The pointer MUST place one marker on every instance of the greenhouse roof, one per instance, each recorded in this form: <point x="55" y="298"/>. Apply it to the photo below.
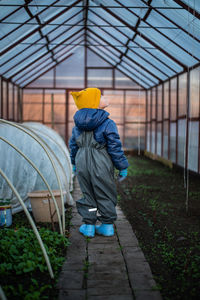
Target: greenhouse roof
<point x="148" y="40"/>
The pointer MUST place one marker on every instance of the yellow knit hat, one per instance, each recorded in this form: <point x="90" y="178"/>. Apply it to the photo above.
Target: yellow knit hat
<point x="88" y="98"/>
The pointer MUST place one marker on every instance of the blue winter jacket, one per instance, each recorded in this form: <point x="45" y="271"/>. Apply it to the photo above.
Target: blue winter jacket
<point x="105" y="132"/>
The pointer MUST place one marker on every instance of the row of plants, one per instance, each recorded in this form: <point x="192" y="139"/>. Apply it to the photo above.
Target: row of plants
<point x="153" y="199"/>
<point x="23" y="270"/>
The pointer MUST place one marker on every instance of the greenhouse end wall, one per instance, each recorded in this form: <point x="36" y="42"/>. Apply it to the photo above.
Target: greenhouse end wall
<point x="56" y="108"/>
<point x="173" y="120"/>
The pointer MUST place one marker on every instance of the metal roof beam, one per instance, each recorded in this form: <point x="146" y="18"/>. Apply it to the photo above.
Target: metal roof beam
<point x="13" y="12"/>
<point x="129" y="59"/>
<point x="35" y="30"/>
<point x="102" y="57"/>
<point x="139" y="46"/>
<point x="125" y="54"/>
<point x="15" y="74"/>
<point x="161" y="33"/>
<point x="10" y="58"/>
<point x="45" y="71"/>
<point x="173" y="22"/>
<point x="188" y="8"/>
<point x="146" y="38"/>
<point x="22" y="76"/>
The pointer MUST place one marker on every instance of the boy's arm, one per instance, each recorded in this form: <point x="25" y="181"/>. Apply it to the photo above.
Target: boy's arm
<point x="114" y="146"/>
<point x="73" y="147"/>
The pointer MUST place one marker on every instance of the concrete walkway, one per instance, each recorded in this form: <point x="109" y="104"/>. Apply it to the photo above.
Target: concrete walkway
<point x="105" y="268"/>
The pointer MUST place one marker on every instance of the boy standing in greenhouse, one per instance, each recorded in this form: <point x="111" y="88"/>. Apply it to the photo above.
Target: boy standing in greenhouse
<point x="95" y="149"/>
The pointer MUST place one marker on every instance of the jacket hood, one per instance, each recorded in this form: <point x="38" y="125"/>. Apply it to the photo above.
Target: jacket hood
<point x="88" y="119"/>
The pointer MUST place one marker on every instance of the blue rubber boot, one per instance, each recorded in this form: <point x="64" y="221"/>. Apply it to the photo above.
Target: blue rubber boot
<point x="87" y="230"/>
<point x="105" y="229"/>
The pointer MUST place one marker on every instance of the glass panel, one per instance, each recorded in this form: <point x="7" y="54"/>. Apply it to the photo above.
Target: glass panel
<point x="134" y="136"/>
<point x="153" y="103"/>
<point x="153" y="137"/>
<point x="182" y="94"/>
<point x="175" y="34"/>
<point x="173" y="142"/>
<point x="15" y="60"/>
<point x="94" y="60"/>
<point x="159" y="138"/>
<point x="166" y="100"/>
<point x="54" y="109"/>
<point x="6" y="10"/>
<point x="139" y="68"/>
<point x="100" y="22"/>
<point x="159" y="103"/>
<point x="32" y="105"/>
<point x="165" y="139"/>
<point x="40" y="69"/>
<point x="194" y="93"/>
<point x="138" y="80"/>
<point x="146" y="65"/>
<point x="121" y="81"/>
<point x="173" y="99"/>
<point x="100" y="78"/>
<point x="137" y="71"/>
<point x="16" y="35"/>
<point x="110" y="19"/>
<point x="164" y="43"/>
<point x="193" y="146"/>
<point x="106" y="37"/>
<point x="45" y="80"/>
<point x="193" y="3"/>
<point x="148" y="56"/>
<point x="104" y="55"/>
<point x="158" y="53"/>
<point x="135" y="106"/>
<point x="181" y="142"/>
<point x="70" y="73"/>
<point x="115" y="108"/>
<point x="183" y="19"/>
<point x="33" y="67"/>
<point x="95" y="40"/>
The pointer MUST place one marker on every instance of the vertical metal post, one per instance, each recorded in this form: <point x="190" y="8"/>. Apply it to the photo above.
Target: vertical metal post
<point x="177" y="113"/>
<point x="156" y="117"/>
<point x="187" y="120"/>
<point x="162" y="124"/>
<point x="199" y="128"/>
<point x="146" y="114"/>
<point x="150" y="120"/>
<point x="113" y="78"/>
<point x="66" y="117"/>
<point x="7" y="101"/>
<point x="13" y="102"/>
<point x="21" y="105"/>
<point x="54" y="77"/>
<point x="52" y="110"/>
<point x="43" y="105"/>
<point x="169" y="118"/>
<point x="124" y="116"/>
<point x="2" y="98"/>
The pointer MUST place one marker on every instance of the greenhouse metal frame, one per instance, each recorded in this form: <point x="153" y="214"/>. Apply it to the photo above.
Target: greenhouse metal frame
<point x="154" y="44"/>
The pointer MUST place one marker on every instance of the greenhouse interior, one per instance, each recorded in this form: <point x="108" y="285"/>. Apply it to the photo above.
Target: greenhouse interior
<point x="144" y="56"/>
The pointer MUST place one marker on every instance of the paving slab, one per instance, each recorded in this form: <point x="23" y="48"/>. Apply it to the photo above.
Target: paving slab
<point x="105" y="268"/>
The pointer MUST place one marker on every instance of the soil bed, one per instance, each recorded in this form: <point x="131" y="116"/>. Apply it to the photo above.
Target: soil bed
<point x="153" y="199"/>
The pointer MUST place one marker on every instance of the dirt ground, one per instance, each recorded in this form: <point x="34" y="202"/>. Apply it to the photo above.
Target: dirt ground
<point x="153" y="198"/>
